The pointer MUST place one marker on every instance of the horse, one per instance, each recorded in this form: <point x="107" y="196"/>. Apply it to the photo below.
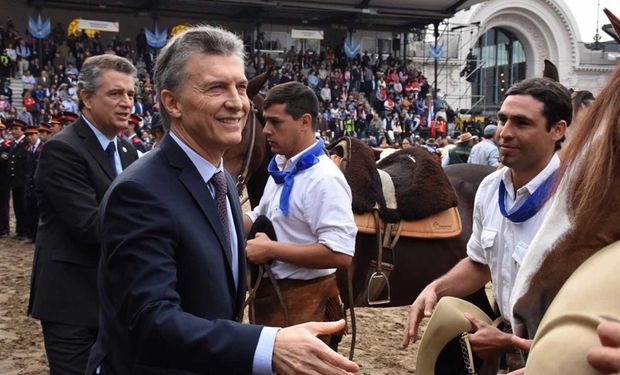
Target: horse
<point x="584" y="215"/>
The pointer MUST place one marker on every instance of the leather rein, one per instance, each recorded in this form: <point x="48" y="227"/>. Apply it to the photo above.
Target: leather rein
<point x="242" y="178"/>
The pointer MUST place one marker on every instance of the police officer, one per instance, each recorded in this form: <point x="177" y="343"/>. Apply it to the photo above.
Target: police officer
<point x="17" y="173"/>
<point x="5" y="189"/>
<point x="31" y="213"/>
<point x="45" y="131"/>
<point x="132" y="136"/>
<point x="67" y="118"/>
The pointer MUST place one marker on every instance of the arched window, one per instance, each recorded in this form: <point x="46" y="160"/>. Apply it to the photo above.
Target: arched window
<point x="502" y="59"/>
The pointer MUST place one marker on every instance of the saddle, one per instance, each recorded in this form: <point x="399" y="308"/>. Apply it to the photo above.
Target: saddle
<point x="407" y="193"/>
<point x="407" y="188"/>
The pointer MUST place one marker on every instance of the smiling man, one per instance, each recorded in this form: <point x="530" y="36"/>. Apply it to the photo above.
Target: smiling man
<point x="172" y="277"/>
<point x="75" y="169"/>
<point x="510" y="205"/>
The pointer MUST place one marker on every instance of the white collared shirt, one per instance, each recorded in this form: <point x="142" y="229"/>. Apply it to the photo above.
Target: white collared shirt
<point x="319" y="212"/>
<point x="497" y="241"/>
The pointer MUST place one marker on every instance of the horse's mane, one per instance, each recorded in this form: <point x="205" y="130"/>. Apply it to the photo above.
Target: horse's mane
<point x="595" y="142"/>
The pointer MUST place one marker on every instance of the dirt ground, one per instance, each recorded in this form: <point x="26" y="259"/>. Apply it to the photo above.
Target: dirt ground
<point x="21" y="342"/>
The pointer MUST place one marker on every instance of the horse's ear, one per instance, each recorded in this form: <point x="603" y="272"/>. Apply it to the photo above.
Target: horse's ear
<point x="551" y="71"/>
<point x="256" y="83"/>
<point x="615" y="22"/>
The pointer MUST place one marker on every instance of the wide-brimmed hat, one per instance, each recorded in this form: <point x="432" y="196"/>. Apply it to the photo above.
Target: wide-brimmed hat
<point x="465" y="137"/>
<point x="568" y="329"/>
<point x="431" y="142"/>
<point x="447" y="322"/>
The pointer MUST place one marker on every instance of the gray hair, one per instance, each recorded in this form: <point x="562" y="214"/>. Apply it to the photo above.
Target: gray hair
<point x="170" y="71"/>
<point x="89" y="78"/>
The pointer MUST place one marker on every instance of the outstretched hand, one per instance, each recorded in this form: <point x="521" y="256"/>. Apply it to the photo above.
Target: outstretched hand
<point x="420" y="308"/>
<point x="297" y="350"/>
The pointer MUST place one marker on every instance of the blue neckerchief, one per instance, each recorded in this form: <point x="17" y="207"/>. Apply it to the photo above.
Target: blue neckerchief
<point x="307" y="160"/>
<point x="531" y="206"/>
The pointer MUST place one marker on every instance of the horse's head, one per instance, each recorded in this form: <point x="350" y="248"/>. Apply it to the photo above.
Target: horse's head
<point x="243" y="160"/>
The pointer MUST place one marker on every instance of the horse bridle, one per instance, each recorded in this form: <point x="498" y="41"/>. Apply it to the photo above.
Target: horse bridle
<point x="242" y="178"/>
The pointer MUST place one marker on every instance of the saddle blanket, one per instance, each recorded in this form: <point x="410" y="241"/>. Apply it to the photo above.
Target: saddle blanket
<point x="444" y="224"/>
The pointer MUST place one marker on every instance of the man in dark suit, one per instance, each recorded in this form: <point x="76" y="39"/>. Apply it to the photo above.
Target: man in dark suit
<point x="75" y="169"/>
<point x="17" y="174"/>
<point x="172" y="270"/>
<point x="5" y="189"/>
<point x="31" y="212"/>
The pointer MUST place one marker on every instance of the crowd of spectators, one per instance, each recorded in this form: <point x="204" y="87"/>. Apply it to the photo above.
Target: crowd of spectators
<point x="49" y="70"/>
<point x="375" y="97"/>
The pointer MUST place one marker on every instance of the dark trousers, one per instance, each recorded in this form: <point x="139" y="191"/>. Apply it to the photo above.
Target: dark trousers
<point x="31" y="213"/>
<point x="18" y="209"/>
<point x="67" y="347"/>
<point x="5" y="196"/>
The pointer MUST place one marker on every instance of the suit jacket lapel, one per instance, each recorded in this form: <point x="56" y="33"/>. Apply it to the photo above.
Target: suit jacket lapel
<point x="126" y="159"/>
<point x="94" y="147"/>
<point x="194" y="183"/>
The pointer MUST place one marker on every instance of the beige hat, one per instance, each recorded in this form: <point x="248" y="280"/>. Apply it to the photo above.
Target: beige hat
<point x="465" y="137"/>
<point x="447" y="322"/>
<point x="568" y="328"/>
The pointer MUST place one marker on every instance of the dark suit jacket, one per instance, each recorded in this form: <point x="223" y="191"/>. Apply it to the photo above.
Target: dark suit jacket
<point x="72" y="176"/>
<point x="17" y="163"/>
<point x="168" y="300"/>
<point x="32" y="159"/>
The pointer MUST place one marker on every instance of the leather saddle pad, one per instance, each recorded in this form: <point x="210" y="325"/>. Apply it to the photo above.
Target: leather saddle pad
<point x="444" y="224"/>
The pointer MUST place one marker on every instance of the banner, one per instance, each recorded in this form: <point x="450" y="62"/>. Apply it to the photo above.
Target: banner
<point x="98" y="25"/>
<point x="436" y="50"/>
<point x="351" y="49"/>
<point x="156" y="38"/>
<point x="307" y="34"/>
<point x="38" y="28"/>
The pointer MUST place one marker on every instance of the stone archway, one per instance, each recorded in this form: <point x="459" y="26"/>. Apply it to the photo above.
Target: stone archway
<point x="544" y="27"/>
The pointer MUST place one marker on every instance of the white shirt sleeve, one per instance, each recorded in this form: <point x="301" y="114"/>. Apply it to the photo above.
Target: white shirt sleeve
<point x="475" y="248"/>
<point x="328" y="213"/>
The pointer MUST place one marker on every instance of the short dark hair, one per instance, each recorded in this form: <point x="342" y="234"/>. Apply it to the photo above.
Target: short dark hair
<point x="555" y="97"/>
<point x="89" y="78"/>
<point x="299" y="99"/>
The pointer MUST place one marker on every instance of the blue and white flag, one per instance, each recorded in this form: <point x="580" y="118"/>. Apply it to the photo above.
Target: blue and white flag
<point x="156" y="39"/>
<point x="39" y="29"/>
<point x="436" y="51"/>
<point x="351" y="49"/>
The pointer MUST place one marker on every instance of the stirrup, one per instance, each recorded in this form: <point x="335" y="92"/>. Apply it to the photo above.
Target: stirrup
<point x="376" y="284"/>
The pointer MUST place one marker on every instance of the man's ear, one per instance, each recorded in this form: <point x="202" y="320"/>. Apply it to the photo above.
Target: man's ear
<point x="558" y="130"/>
<point x="306" y="120"/>
<point x="86" y="97"/>
<point x="170" y="103"/>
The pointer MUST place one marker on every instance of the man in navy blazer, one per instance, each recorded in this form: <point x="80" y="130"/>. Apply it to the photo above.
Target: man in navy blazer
<point x="172" y="271"/>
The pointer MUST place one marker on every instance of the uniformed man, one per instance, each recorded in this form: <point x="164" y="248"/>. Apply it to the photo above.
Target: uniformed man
<point x="31" y="213"/>
<point x="55" y="126"/>
<point x="157" y="130"/>
<point x="17" y="174"/>
<point x="5" y="189"/>
<point x="67" y="118"/>
<point x="132" y="136"/>
<point x="45" y="131"/>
